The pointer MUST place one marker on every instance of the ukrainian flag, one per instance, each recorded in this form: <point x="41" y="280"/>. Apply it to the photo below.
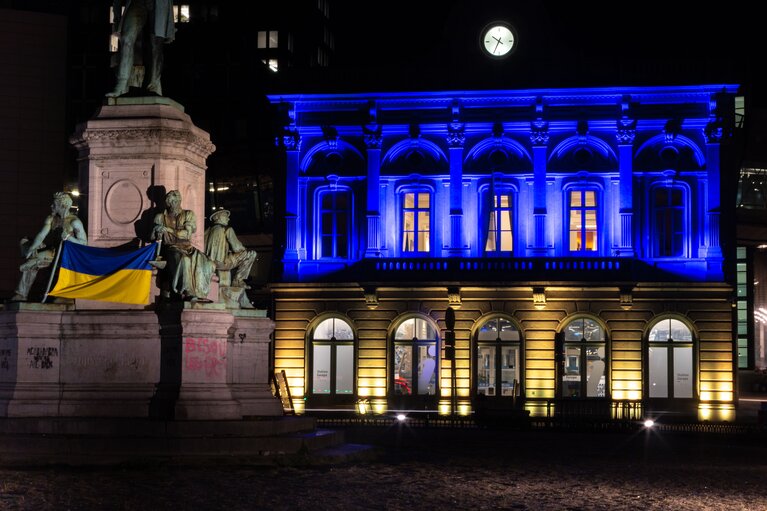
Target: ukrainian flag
<point x="105" y="274"/>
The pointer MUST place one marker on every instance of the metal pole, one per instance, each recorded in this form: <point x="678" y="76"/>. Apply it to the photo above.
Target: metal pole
<point x="53" y="271"/>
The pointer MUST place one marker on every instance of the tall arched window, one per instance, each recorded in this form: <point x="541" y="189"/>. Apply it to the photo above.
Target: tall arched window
<point x="332" y="344"/>
<point x="670" y="372"/>
<point x="415" y="358"/>
<point x="497" y="358"/>
<point x="585" y="359"/>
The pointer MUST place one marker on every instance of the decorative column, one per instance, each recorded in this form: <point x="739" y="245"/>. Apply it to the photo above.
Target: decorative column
<point x="713" y="135"/>
<point x="130" y="154"/>
<point x="291" y="143"/>
<point x="455" y="140"/>
<point x="539" y="137"/>
<point x="625" y="136"/>
<point x="373" y="140"/>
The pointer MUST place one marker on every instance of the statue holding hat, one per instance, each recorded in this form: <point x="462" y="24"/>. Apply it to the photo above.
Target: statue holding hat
<point x="224" y="248"/>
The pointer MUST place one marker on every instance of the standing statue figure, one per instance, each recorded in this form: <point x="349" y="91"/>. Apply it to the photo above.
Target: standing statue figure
<point x="153" y="19"/>
<point x="223" y="247"/>
<point x="189" y="271"/>
<point x="59" y="226"/>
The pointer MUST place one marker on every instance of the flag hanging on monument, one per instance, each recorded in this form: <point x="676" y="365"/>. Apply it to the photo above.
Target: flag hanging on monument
<point x="105" y="274"/>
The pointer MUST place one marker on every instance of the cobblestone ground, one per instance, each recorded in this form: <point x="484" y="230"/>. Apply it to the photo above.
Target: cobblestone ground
<point x="434" y="469"/>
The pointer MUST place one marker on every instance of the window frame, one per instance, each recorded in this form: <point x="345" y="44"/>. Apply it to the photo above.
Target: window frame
<point x="597" y="208"/>
<point x="414" y="344"/>
<point x="669" y="348"/>
<point x="401" y="196"/>
<point x="318" y="232"/>
<point x="333" y="394"/>
<point x="685" y="220"/>
<point x="583" y="359"/>
<point x="498" y="344"/>
<point x="488" y="195"/>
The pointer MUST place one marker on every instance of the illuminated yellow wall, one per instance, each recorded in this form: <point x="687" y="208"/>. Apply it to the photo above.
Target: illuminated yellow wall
<point x="626" y="326"/>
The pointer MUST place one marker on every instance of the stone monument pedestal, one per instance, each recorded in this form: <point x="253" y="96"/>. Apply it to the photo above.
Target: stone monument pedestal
<point x="132" y="152"/>
<point x="248" y="363"/>
<point x="182" y="362"/>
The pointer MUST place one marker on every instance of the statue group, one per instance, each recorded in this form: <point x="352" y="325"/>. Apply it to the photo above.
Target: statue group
<point x="188" y="271"/>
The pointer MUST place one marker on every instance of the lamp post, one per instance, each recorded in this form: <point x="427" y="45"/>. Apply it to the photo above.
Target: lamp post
<point x="450" y="355"/>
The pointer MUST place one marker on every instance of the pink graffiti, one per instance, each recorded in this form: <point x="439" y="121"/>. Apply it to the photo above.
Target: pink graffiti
<point x="205" y="354"/>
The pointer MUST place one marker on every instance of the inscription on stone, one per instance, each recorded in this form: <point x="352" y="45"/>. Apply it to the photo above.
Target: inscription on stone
<point x="41" y="357"/>
<point x="5" y="356"/>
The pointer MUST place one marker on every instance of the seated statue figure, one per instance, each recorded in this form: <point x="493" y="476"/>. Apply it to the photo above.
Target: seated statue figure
<point x="189" y="271"/>
<point x="60" y="225"/>
<point x="224" y="248"/>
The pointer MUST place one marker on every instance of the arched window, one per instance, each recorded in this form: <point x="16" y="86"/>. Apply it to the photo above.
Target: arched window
<point x="585" y="359"/>
<point x="497" y="358"/>
<point x="669" y="360"/>
<point x="332" y="344"/>
<point x="415" y="358"/>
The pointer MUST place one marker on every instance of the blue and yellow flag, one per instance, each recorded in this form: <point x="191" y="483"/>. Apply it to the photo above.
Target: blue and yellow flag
<point x="105" y="274"/>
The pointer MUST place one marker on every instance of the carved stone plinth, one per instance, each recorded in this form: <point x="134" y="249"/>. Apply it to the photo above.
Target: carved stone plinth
<point x="183" y="361"/>
<point x="248" y="363"/>
<point x="130" y="154"/>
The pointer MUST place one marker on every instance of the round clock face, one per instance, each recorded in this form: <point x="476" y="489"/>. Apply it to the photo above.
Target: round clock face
<point x="498" y="39"/>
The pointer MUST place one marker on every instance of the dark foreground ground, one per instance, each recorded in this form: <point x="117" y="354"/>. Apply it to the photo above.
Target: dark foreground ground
<point x="441" y="469"/>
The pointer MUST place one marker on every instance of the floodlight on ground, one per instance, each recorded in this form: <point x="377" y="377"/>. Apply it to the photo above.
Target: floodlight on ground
<point x="401" y="417"/>
<point x="648" y="423"/>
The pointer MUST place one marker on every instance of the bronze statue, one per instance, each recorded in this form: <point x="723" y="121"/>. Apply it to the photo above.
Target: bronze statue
<point x="223" y="247"/>
<point x="60" y="225"/>
<point x="153" y="19"/>
<point x="189" y="271"/>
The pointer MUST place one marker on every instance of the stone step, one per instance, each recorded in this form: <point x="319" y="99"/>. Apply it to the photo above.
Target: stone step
<point x="80" y="442"/>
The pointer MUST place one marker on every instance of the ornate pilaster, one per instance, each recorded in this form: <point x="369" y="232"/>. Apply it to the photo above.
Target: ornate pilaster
<point x="373" y="140"/>
<point x="625" y="135"/>
<point x="713" y="133"/>
<point x="539" y="137"/>
<point x="291" y="144"/>
<point x="455" y="139"/>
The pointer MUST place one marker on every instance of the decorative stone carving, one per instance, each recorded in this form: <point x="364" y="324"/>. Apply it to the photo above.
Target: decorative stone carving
<point x="539" y="133"/>
<point x="455" y="135"/>
<point x="454" y="297"/>
<point x="626" y="132"/>
<point x="371" y="298"/>
<point x="539" y="298"/>
<point x="713" y="132"/>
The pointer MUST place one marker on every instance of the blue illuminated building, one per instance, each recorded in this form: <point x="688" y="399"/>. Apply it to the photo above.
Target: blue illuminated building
<point x="580" y="234"/>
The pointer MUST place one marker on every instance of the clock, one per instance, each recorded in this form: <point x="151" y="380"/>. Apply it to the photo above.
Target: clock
<point x="498" y="39"/>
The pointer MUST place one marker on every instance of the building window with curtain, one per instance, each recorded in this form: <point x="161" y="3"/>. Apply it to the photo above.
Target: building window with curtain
<point x="499" y="222"/>
<point x="585" y="359"/>
<point x="332" y="350"/>
<point x="582" y="212"/>
<point x="668" y="221"/>
<point x="416" y="222"/>
<point x="334" y="224"/>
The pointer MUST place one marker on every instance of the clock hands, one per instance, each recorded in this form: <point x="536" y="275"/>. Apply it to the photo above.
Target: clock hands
<point x="498" y="39"/>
